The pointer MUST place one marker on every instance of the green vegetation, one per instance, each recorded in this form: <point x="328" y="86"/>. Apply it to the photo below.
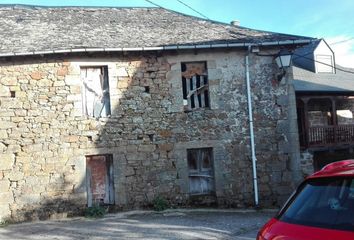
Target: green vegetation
<point x="4" y="223"/>
<point x="96" y="211"/>
<point x="160" y="204"/>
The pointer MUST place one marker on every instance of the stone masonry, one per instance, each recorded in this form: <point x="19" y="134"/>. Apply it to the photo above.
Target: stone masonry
<point x="44" y="136"/>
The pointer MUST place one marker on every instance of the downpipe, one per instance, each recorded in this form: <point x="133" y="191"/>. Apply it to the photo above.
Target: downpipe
<point x="250" y="118"/>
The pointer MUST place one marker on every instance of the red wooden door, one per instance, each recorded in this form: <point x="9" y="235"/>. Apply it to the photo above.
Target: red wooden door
<point x="99" y="179"/>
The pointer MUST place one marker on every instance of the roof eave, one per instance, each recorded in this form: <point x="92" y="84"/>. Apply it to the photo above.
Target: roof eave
<point x="159" y="48"/>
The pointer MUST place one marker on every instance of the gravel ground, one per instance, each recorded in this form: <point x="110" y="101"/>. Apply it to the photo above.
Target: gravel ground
<point x="173" y="224"/>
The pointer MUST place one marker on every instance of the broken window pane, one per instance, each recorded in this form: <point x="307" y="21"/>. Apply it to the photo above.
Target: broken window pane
<point x="192" y="161"/>
<point x="201" y="172"/>
<point x="195" y="85"/>
<point x="206" y="161"/>
<point x="96" y="98"/>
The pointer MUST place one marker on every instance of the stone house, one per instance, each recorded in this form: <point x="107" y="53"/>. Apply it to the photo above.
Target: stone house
<point x="324" y="103"/>
<point x="118" y="106"/>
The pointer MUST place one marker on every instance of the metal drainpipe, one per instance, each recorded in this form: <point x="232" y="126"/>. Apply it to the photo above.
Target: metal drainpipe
<point x="250" y="116"/>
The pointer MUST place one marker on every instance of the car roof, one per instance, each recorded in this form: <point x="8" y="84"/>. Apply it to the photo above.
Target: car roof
<point x="336" y="169"/>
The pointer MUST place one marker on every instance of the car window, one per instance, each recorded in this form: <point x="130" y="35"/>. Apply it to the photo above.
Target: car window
<point x="351" y="191"/>
<point x="324" y="203"/>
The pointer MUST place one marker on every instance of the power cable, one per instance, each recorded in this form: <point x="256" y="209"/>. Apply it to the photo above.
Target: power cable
<point x="269" y="54"/>
<point x="155" y="4"/>
<point x="336" y="68"/>
<point x="343" y="41"/>
<point x="298" y="56"/>
<point x="201" y="14"/>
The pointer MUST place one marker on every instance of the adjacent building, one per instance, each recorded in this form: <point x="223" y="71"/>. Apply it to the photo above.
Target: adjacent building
<point x="324" y="100"/>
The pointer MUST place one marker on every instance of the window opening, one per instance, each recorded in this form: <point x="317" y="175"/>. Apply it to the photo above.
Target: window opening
<point x="96" y="97"/>
<point x="195" y="85"/>
<point x="324" y="64"/>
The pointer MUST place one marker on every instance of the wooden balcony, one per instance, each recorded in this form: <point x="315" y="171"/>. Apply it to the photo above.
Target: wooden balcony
<point x="328" y="136"/>
<point x="319" y="124"/>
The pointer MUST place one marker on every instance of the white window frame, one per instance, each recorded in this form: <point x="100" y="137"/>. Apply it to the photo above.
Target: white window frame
<point x="322" y="68"/>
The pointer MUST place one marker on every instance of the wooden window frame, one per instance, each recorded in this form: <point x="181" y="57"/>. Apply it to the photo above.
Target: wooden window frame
<point x="195" y="85"/>
<point x="101" y="97"/>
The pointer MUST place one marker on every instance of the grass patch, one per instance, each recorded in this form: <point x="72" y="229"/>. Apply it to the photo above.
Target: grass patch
<point x="160" y="204"/>
<point x="4" y="223"/>
<point x="96" y="211"/>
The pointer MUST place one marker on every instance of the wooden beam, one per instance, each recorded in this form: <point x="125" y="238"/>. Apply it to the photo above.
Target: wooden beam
<point x="306" y="122"/>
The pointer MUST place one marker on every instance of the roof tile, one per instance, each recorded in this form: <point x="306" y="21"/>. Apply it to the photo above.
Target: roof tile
<point x="30" y="28"/>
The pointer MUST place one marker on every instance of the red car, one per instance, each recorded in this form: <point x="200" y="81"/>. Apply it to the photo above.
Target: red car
<point x="322" y="208"/>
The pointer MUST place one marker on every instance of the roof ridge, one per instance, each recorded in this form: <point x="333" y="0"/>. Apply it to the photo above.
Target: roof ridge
<point x="230" y="25"/>
<point x="30" y="6"/>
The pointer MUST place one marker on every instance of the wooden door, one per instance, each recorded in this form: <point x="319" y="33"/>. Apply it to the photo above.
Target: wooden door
<point x="201" y="171"/>
<point x="99" y="180"/>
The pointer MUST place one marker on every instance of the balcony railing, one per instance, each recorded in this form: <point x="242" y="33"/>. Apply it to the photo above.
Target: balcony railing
<point x="330" y="135"/>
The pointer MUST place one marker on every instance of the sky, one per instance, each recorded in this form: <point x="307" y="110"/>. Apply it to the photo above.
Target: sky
<point x="332" y="20"/>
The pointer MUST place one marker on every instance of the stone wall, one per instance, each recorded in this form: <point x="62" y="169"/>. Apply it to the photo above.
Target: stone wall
<point x="44" y="136"/>
<point x="307" y="163"/>
<point x="288" y="128"/>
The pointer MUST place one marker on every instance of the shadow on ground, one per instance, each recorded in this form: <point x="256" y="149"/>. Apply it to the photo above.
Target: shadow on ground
<point x="172" y="225"/>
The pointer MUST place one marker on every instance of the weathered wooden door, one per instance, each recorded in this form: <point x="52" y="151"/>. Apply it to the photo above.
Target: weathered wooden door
<point x="99" y="180"/>
<point x="201" y="171"/>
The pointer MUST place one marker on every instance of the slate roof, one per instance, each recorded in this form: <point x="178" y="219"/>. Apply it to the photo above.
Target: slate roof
<point x="310" y="82"/>
<point x="26" y="29"/>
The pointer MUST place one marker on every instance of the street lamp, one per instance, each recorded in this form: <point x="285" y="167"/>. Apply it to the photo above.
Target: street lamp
<point x="283" y="58"/>
<point x="283" y="61"/>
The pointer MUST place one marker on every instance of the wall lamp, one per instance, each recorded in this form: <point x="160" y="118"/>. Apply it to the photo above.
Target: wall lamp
<point x="283" y="61"/>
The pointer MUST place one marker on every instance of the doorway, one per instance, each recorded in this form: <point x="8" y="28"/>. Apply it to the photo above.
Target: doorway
<point x="99" y="180"/>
